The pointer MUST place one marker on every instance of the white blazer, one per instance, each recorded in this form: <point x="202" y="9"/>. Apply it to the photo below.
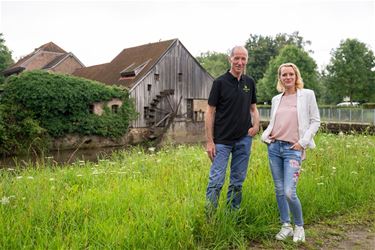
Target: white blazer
<point x="307" y="115"/>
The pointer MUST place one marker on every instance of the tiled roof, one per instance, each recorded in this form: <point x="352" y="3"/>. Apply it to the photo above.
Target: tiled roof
<point x="110" y="73"/>
<point x="94" y="72"/>
<point x="52" y="48"/>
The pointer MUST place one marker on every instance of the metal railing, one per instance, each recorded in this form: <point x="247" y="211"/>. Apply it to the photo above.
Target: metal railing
<point x="337" y="115"/>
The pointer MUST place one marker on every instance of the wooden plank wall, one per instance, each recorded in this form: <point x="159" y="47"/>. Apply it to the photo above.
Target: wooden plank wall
<point x="194" y="83"/>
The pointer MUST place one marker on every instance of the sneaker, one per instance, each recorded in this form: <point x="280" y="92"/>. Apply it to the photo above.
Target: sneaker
<point x="286" y="230"/>
<point x="299" y="234"/>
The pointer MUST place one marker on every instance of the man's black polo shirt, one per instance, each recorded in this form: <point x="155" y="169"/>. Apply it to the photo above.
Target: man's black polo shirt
<point x="232" y="99"/>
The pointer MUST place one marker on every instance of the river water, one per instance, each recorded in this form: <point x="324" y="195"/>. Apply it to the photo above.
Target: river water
<point x="59" y="157"/>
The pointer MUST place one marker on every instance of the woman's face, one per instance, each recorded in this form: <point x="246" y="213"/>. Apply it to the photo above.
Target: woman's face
<point x="288" y="77"/>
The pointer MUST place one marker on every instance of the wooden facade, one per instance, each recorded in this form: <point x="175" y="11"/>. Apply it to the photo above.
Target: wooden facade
<point x="164" y="79"/>
<point x="178" y="71"/>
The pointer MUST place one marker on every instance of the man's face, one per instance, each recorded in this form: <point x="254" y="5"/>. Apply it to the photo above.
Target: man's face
<point x="238" y="61"/>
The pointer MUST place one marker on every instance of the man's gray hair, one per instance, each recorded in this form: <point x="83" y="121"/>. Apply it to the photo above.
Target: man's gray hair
<point x="238" y="47"/>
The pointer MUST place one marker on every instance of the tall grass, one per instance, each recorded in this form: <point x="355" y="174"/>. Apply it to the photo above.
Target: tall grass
<point x="155" y="200"/>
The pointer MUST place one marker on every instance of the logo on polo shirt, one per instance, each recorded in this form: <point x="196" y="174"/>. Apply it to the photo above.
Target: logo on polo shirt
<point x="246" y="88"/>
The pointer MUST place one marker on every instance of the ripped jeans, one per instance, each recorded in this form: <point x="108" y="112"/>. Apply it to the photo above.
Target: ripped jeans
<point x="285" y="165"/>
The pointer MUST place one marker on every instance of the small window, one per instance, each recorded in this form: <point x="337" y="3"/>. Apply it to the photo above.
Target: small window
<point x="115" y="108"/>
<point x="145" y="112"/>
<point x="91" y="108"/>
<point x="189" y="107"/>
<point x="156" y="77"/>
<point x="179" y="77"/>
<point x="148" y="87"/>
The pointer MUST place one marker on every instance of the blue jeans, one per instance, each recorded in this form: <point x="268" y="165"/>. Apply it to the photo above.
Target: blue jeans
<point x="285" y="164"/>
<point x="240" y="159"/>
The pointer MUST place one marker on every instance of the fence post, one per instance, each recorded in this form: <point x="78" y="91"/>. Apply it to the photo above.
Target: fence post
<point x="329" y="114"/>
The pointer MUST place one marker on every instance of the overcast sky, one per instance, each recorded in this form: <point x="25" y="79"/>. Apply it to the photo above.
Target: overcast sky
<point x="96" y="31"/>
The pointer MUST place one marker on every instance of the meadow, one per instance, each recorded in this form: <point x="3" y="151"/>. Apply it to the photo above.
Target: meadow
<point x="143" y="199"/>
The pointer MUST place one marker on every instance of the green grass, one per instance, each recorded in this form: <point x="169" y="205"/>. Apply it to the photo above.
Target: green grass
<point x="148" y="200"/>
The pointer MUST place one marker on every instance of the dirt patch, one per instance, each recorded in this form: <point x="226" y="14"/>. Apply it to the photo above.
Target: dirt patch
<point x="358" y="238"/>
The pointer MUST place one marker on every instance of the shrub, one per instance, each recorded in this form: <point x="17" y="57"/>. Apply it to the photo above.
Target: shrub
<point x="368" y="105"/>
<point x="59" y="104"/>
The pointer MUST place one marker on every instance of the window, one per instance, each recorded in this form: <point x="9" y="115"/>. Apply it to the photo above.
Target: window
<point x="179" y="77"/>
<point x="145" y="112"/>
<point x="156" y="77"/>
<point x="195" y="109"/>
<point x="91" y="108"/>
<point x="148" y="87"/>
<point x="115" y="108"/>
<point x="133" y="70"/>
<point x="189" y="109"/>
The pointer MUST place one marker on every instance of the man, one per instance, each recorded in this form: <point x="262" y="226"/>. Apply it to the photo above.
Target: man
<point x="229" y="128"/>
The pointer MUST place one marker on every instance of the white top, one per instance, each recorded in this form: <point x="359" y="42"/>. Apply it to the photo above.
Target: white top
<point x="307" y="115"/>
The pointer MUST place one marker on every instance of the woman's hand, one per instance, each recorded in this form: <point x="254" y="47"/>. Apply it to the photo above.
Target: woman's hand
<point x="297" y="146"/>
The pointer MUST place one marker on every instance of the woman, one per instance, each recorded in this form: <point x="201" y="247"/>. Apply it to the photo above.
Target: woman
<point x="294" y="121"/>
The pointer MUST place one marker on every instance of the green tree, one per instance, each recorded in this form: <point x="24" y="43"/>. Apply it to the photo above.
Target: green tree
<point x="267" y="85"/>
<point x="215" y="63"/>
<point x="5" y="57"/>
<point x="263" y="48"/>
<point x="351" y="73"/>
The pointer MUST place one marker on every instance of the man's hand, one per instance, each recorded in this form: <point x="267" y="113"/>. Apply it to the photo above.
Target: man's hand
<point x="253" y="131"/>
<point x="211" y="150"/>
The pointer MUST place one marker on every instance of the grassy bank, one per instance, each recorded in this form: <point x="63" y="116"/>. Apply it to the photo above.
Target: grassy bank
<point x="143" y="200"/>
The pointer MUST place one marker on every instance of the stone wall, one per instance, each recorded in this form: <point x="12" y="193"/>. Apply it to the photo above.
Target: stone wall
<point x="40" y="59"/>
<point x="179" y="132"/>
<point x="185" y="132"/>
<point x="68" y="66"/>
<point x="133" y="137"/>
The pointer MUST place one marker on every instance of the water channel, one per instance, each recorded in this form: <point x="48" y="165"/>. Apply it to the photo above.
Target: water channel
<point x="59" y="157"/>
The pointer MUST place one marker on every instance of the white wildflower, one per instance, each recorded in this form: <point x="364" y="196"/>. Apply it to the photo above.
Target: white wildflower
<point x="5" y="200"/>
<point x="96" y="172"/>
<point x="30" y="177"/>
<point x="19" y="177"/>
<point x="151" y="149"/>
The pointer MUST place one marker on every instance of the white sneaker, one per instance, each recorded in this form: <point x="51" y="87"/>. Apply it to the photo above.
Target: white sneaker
<point x="286" y="230"/>
<point x="299" y="234"/>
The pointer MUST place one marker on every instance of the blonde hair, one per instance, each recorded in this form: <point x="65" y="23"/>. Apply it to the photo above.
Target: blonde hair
<point x="299" y="82"/>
